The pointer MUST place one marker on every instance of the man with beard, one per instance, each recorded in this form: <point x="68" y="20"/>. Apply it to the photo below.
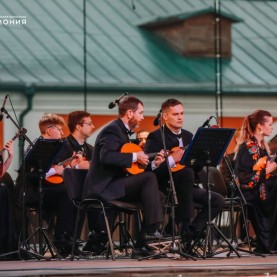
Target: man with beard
<point x="108" y="180"/>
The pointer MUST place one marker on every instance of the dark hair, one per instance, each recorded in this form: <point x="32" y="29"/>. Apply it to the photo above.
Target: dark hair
<point x="249" y="126"/>
<point x="128" y="103"/>
<point x="75" y="118"/>
<point x="170" y="103"/>
<point x="251" y="121"/>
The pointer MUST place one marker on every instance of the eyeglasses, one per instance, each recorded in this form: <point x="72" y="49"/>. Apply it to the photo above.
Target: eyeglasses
<point x="60" y="129"/>
<point x="87" y="123"/>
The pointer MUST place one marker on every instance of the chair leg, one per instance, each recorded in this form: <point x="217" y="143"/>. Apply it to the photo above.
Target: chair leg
<point x="245" y="217"/>
<point x="110" y="243"/>
<point x="75" y="234"/>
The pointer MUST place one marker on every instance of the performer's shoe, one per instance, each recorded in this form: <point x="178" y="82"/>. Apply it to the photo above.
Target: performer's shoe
<point x="189" y="233"/>
<point x="96" y="243"/>
<point x="142" y="251"/>
<point x="153" y="236"/>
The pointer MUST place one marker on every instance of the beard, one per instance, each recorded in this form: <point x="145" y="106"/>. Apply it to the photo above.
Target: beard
<point x="133" y="123"/>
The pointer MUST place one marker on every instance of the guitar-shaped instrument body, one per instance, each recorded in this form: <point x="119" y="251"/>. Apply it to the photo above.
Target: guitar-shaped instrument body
<point x="58" y="179"/>
<point x="261" y="164"/>
<point x="137" y="168"/>
<point x="177" y="166"/>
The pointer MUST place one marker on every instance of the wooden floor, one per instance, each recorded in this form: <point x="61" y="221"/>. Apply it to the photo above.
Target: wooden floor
<point x="247" y="265"/>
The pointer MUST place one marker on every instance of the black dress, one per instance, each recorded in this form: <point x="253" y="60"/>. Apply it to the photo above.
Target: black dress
<point x="260" y="192"/>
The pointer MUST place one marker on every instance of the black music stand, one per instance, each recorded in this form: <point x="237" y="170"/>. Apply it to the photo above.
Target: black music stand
<point x="207" y="149"/>
<point x="38" y="161"/>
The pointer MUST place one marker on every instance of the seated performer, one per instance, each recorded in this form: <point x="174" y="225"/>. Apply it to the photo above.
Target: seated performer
<point x="142" y="137"/>
<point x="81" y="127"/>
<point x="5" y="165"/>
<point x="256" y="169"/>
<point x="108" y="180"/>
<point x="54" y="197"/>
<point x="8" y="228"/>
<point x="176" y="139"/>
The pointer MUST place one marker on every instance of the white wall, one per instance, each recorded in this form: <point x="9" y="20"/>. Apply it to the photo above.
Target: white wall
<point x="197" y="110"/>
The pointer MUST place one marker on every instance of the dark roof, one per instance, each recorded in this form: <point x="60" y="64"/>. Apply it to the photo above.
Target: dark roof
<point x="49" y="50"/>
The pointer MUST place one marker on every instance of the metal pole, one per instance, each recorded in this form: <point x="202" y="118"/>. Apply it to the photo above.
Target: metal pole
<point x="85" y="54"/>
<point x="218" y="62"/>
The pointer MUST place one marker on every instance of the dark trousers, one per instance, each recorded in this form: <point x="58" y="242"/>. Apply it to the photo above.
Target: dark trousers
<point x="200" y="196"/>
<point x="143" y="188"/>
<point x="188" y="194"/>
<point x="262" y="215"/>
<point x="183" y="182"/>
<point x="55" y="199"/>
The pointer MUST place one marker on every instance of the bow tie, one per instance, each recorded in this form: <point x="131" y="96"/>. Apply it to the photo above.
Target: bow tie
<point x="179" y="136"/>
<point x="129" y="132"/>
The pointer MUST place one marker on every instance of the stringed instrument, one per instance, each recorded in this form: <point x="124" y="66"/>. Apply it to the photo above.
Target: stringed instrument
<point x="137" y="168"/>
<point x="261" y="163"/>
<point x="58" y="179"/>
<point x="18" y="134"/>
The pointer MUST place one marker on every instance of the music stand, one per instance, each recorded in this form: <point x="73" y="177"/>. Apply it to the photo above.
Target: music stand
<point x="38" y="161"/>
<point x="207" y="149"/>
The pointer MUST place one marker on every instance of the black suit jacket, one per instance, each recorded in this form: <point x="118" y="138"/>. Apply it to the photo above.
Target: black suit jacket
<point x="108" y="163"/>
<point x="86" y="148"/>
<point x="154" y="144"/>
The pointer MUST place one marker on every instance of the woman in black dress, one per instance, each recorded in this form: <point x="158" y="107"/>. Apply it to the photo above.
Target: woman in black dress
<point x="255" y="169"/>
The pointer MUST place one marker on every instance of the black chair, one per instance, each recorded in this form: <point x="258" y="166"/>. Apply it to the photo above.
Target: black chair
<point x="232" y="205"/>
<point x="74" y="180"/>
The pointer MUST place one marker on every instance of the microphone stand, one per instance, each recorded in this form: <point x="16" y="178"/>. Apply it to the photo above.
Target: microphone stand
<point x="174" y="248"/>
<point x="23" y="251"/>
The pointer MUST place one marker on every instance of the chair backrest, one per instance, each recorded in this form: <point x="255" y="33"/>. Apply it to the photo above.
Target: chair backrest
<point x="74" y="180"/>
<point x="215" y="178"/>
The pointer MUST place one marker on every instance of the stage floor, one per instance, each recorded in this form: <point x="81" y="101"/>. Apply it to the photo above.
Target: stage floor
<point x="247" y="265"/>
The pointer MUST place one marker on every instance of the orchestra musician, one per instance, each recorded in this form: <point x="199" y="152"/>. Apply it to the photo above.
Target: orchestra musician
<point x="4" y="165"/>
<point x="54" y="196"/>
<point x="108" y="180"/>
<point x="255" y="168"/>
<point x="187" y="192"/>
<point x="8" y="228"/>
<point x="142" y="137"/>
<point x="81" y="127"/>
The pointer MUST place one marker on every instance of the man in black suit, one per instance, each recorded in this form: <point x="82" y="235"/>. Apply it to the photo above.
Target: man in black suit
<point x="108" y="180"/>
<point x="187" y="193"/>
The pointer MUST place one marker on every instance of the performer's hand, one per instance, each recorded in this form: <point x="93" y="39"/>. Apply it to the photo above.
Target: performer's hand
<point x="59" y="169"/>
<point x="84" y="165"/>
<point x="159" y="159"/>
<point x="9" y="147"/>
<point x="270" y="167"/>
<point x="177" y="155"/>
<point x="142" y="158"/>
<point x="77" y="158"/>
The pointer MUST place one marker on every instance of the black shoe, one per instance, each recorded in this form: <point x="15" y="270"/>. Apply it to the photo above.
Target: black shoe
<point x="153" y="236"/>
<point x="142" y="252"/>
<point x="261" y="251"/>
<point x="64" y="249"/>
<point x="189" y="233"/>
<point x="96" y="243"/>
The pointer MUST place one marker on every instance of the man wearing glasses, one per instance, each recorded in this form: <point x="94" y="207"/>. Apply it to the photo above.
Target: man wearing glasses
<point x="81" y="128"/>
<point x="54" y="196"/>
